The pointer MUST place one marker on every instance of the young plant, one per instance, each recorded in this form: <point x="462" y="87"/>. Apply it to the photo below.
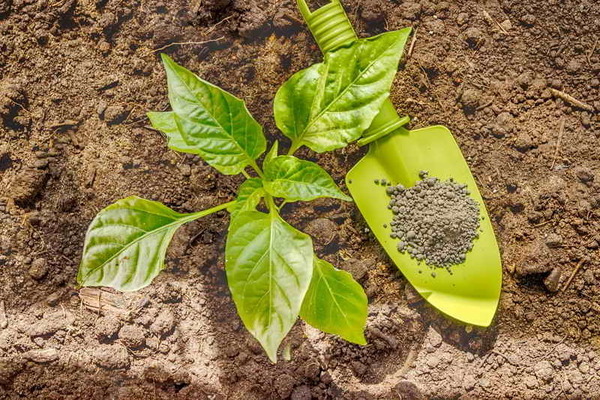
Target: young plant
<point x="272" y="271"/>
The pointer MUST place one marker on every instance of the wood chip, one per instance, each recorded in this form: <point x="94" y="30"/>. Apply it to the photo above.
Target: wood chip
<point x="103" y="300"/>
<point x="571" y="100"/>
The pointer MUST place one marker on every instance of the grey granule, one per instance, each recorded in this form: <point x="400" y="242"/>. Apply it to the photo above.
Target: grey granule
<point x="435" y="221"/>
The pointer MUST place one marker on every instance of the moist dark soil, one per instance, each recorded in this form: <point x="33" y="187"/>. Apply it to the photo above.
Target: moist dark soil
<point x="78" y="76"/>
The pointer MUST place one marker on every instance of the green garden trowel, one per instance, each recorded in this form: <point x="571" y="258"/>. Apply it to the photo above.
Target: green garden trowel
<point x="468" y="292"/>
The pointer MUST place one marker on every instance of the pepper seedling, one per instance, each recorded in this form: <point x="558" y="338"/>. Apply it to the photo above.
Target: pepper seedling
<point x="272" y="271"/>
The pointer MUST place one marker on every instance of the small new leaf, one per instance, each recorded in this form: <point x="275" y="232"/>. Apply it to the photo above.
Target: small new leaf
<point x="335" y="303"/>
<point x="330" y="104"/>
<point x="165" y="122"/>
<point x="126" y="243"/>
<point x="213" y="121"/>
<point x="295" y="179"/>
<point x="269" y="267"/>
<point x="249" y="195"/>
<point x="274" y="152"/>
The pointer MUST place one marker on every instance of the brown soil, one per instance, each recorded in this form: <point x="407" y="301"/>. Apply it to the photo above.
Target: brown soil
<point x="76" y="78"/>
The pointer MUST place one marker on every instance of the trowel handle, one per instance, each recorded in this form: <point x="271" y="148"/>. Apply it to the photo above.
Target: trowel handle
<point x="331" y="29"/>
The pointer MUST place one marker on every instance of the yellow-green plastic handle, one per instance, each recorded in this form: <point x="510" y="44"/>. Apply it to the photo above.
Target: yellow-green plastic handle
<point x="331" y="29"/>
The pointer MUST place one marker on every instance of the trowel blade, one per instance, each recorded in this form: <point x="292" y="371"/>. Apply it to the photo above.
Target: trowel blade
<point x="468" y="292"/>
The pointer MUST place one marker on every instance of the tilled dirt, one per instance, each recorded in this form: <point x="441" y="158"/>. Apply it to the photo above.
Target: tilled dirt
<point x="76" y="78"/>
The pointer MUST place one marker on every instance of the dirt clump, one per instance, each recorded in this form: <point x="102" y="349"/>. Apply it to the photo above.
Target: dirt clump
<point x="435" y="221"/>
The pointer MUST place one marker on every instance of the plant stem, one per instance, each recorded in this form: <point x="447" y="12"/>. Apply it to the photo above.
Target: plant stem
<point x="257" y="169"/>
<point x="293" y="148"/>
<point x="208" y="211"/>
<point x="270" y="203"/>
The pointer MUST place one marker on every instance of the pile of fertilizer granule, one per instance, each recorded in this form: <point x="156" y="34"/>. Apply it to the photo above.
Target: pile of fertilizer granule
<point x="435" y="221"/>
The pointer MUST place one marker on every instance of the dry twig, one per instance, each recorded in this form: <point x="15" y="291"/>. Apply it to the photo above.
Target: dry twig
<point x="184" y="43"/>
<point x="577" y="268"/>
<point x="492" y="21"/>
<point x="412" y="44"/>
<point x="571" y="100"/>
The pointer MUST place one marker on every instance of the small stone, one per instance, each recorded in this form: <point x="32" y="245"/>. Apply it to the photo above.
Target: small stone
<point x="41" y="356"/>
<point x="473" y="36"/>
<point x="470" y="99"/>
<point x="38" y="269"/>
<point x="54" y="298"/>
<point x="552" y="281"/>
<point x="554" y="240"/>
<point x="528" y="19"/>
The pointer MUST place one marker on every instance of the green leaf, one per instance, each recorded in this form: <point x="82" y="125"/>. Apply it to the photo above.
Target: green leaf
<point x="272" y="153"/>
<point x="295" y="179"/>
<point x="213" y="121"/>
<point x="330" y="104"/>
<point x="126" y="243"/>
<point x="165" y="122"/>
<point x="335" y="303"/>
<point x="249" y="195"/>
<point x="269" y="266"/>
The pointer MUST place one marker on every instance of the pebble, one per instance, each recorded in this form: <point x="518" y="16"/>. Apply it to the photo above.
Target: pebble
<point x="473" y="36"/>
<point x="41" y="356"/>
<point x="552" y="281"/>
<point x="470" y="99"/>
<point x="38" y="269"/>
<point x="554" y="240"/>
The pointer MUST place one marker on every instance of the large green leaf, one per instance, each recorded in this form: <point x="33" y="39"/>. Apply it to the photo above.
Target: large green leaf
<point x="269" y="267"/>
<point x="249" y="195"/>
<point x="213" y="121"/>
<point x="330" y="104"/>
<point x="295" y="179"/>
<point x="126" y="243"/>
<point x="335" y="303"/>
<point x="165" y="122"/>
